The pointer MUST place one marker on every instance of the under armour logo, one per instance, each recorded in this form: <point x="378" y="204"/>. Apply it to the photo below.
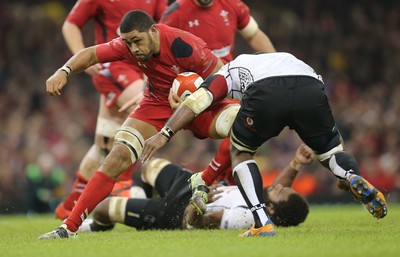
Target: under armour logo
<point x="194" y="23"/>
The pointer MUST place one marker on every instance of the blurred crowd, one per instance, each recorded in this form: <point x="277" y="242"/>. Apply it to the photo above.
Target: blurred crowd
<point x="353" y="44"/>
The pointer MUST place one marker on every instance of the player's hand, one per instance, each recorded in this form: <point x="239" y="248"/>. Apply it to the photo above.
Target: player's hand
<point x="214" y="194"/>
<point x="130" y="105"/>
<point x="304" y="155"/>
<point x="56" y="82"/>
<point x="94" y="69"/>
<point x="174" y="100"/>
<point x="152" y="145"/>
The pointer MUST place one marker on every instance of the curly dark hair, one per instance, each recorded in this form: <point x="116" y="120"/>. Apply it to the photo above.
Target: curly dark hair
<point x="288" y="213"/>
<point x="136" y="20"/>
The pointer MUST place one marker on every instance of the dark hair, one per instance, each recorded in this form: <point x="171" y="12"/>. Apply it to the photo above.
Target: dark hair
<point x="136" y="20"/>
<point x="288" y="213"/>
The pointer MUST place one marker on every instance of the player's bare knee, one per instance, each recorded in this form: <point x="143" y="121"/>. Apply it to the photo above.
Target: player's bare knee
<point x="151" y="169"/>
<point x="100" y="213"/>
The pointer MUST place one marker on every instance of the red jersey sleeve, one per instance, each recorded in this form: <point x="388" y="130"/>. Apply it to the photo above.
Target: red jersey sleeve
<point x="242" y="14"/>
<point x="82" y="12"/>
<point x="115" y="50"/>
<point x="160" y="8"/>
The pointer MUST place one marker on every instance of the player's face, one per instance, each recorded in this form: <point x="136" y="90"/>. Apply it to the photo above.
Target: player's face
<point x="279" y="193"/>
<point x="204" y="3"/>
<point x="141" y="44"/>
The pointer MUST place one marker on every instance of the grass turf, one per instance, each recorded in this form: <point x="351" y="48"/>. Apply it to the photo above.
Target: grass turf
<point x="330" y="230"/>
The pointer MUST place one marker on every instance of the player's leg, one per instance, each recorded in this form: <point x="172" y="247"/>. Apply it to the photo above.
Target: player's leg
<point x="315" y="125"/>
<point x="220" y="127"/>
<point x="261" y="117"/>
<point x="108" y="122"/>
<point x="127" y="148"/>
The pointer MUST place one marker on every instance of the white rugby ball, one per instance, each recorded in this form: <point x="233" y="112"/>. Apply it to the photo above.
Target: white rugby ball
<point x="186" y="83"/>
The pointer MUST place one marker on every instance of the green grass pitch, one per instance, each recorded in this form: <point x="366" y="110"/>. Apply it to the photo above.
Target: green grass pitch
<point x="330" y="230"/>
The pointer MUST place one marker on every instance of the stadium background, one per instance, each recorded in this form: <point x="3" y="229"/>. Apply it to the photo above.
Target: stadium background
<point x="353" y="44"/>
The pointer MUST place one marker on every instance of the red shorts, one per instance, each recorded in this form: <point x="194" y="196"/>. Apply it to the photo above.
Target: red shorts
<point x="152" y="110"/>
<point x="114" y="79"/>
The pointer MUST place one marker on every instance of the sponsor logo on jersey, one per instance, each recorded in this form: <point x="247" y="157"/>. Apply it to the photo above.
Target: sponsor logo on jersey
<point x="249" y="121"/>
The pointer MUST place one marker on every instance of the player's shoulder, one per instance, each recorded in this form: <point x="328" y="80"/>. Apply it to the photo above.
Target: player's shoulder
<point x="180" y="42"/>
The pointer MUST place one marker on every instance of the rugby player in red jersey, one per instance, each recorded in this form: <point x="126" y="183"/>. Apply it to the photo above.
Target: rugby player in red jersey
<point x="161" y="52"/>
<point x="120" y="85"/>
<point x="216" y="22"/>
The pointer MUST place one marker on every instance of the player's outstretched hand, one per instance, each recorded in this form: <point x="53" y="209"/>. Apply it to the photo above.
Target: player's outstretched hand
<point x="304" y="155"/>
<point x="56" y="82"/>
<point x="152" y="145"/>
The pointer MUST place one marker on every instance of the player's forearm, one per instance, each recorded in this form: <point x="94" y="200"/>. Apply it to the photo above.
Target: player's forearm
<point x="288" y="175"/>
<point x="73" y="37"/>
<point x="260" y="42"/>
<point x="82" y="60"/>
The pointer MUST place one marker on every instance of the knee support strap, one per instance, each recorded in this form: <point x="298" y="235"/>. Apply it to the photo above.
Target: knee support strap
<point x="117" y="209"/>
<point x="132" y="139"/>
<point x="225" y="120"/>
<point x="151" y="171"/>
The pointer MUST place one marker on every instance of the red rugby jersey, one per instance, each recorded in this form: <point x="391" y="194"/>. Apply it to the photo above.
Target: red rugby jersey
<point x="216" y="24"/>
<point x="179" y="51"/>
<point x="107" y="14"/>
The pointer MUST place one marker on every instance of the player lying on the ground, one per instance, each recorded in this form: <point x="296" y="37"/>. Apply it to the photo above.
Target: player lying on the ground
<point x="226" y="209"/>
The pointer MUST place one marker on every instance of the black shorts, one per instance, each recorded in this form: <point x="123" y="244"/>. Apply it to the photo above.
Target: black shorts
<point x="166" y="211"/>
<point x="271" y="104"/>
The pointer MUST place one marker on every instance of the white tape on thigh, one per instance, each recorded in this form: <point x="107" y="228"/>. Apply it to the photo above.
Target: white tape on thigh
<point x="199" y="100"/>
<point x="107" y="128"/>
<point x="327" y="155"/>
<point x="225" y="120"/>
<point x="152" y="169"/>
<point x="132" y="139"/>
<point x="117" y="208"/>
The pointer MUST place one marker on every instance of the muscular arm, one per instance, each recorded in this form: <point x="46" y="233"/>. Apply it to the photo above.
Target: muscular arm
<point x="77" y="63"/>
<point x="73" y="37"/>
<point x="256" y="38"/>
<point x="303" y="156"/>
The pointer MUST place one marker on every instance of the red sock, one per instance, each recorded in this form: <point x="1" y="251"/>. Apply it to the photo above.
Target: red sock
<point x="76" y="190"/>
<point x="97" y="189"/>
<point x="219" y="164"/>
